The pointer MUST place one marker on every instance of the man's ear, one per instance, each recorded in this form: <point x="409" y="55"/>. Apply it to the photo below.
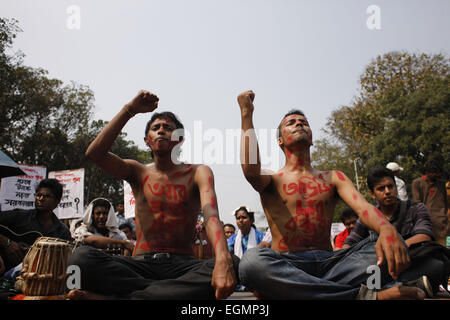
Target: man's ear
<point x="372" y="195"/>
<point x="281" y="142"/>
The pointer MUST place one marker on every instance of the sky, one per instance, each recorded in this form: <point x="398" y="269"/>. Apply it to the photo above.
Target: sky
<point x="198" y="55"/>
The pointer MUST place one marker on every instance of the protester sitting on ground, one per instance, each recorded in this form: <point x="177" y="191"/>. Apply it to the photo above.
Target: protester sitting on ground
<point x="169" y="195"/>
<point x="413" y="222"/>
<point x="128" y="230"/>
<point x="19" y="228"/>
<point x="348" y="218"/>
<point x="229" y="230"/>
<point x="247" y="236"/>
<point x="299" y="203"/>
<point x="99" y="228"/>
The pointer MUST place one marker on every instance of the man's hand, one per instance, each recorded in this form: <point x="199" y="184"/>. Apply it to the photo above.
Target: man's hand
<point x="245" y="100"/>
<point x="391" y="246"/>
<point x="144" y="102"/>
<point x="128" y="248"/>
<point x="14" y="253"/>
<point x="223" y="278"/>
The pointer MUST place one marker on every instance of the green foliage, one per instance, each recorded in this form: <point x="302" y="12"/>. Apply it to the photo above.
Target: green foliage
<point x="45" y="122"/>
<point x="401" y="114"/>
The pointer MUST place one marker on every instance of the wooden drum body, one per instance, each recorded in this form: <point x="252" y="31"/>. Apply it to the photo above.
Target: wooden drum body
<point x="44" y="267"/>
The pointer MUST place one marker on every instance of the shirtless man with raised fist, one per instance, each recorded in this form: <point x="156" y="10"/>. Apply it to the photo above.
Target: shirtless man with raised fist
<point x="169" y="196"/>
<point x="299" y="203"/>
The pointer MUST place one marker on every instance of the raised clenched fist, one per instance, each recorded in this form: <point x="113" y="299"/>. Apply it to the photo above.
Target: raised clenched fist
<point x="144" y="101"/>
<point x="245" y="100"/>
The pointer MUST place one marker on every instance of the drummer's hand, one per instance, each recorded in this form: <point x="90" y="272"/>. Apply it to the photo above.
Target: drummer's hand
<point x="15" y="253"/>
<point x="128" y="248"/>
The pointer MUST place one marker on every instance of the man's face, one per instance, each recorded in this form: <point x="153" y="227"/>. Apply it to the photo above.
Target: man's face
<point x="120" y="209"/>
<point x="350" y="223"/>
<point x="385" y="192"/>
<point x="295" y="129"/>
<point x="229" y="231"/>
<point x="159" y="136"/>
<point x="99" y="217"/>
<point x="45" y="200"/>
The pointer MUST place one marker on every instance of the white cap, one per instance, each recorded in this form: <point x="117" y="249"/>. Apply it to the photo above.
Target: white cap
<point x="393" y="166"/>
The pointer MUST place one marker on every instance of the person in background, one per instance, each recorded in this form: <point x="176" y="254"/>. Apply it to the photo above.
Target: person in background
<point x="430" y="190"/>
<point x="348" y="218"/>
<point x="229" y="230"/>
<point x="401" y="188"/>
<point x="412" y="220"/>
<point x="99" y="228"/>
<point x="247" y="236"/>
<point x="128" y="230"/>
<point x="19" y="228"/>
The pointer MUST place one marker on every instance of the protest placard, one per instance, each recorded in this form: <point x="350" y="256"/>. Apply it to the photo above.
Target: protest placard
<point x="71" y="205"/>
<point x="18" y="192"/>
<point x="129" y="201"/>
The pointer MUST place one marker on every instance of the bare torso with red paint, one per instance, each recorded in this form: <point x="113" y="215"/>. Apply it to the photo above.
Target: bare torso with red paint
<point x="303" y="207"/>
<point x="167" y="207"/>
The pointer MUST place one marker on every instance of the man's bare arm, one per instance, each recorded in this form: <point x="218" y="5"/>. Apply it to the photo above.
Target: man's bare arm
<point x="98" y="150"/>
<point x="390" y="244"/>
<point x="224" y="279"/>
<point x="250" y="158"/>
<point x="417" y="238"/>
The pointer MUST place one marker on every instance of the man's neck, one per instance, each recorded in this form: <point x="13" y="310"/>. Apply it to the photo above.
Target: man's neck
<point x="163" y="162"/>
<point x="298" y="160"/>
<point x="388" y="211"/>
<point x="44" y="217"/>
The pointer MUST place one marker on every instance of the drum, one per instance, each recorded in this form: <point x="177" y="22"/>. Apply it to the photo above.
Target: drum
<point x="44" y="267"/>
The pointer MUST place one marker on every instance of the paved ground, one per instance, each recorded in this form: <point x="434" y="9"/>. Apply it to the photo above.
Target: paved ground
<point x="242" y="296"/>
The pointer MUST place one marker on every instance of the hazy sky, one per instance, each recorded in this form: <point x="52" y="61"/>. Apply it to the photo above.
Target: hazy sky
<point x="198" y="55"/>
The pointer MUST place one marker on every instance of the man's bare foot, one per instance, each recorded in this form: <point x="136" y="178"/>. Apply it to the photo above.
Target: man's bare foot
<point x="76" y="294"/>
<point x="401" y="293"/>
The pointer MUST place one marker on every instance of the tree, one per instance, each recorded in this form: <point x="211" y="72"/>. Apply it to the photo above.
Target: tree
<point x="45" y="122"/>
<point x="401" y="114"/>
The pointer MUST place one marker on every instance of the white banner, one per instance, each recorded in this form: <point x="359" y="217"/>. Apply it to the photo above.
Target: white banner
<point x="129" y="201"/>
<point x="18" y="192"/>
<point x="71" y="205"/>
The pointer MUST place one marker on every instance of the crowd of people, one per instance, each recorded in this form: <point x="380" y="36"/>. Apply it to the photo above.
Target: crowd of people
<point x="167" y="252"/>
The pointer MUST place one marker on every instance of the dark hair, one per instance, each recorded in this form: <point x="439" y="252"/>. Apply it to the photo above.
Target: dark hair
<point x="125" y="225"/>
<point x="54" y="185"/>
<point x="347" y="213"/>
<point x="378" y="173"/>
<point x="229" y="225"/>
<point x="290" y="113"/>
<point x="432" y="166"/>
<point x="101" y="203"/>
<point x="166" y="114"/>
<point x="249" y="213"/>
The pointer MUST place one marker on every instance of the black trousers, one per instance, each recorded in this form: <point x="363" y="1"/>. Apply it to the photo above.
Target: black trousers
<point x="146" y="277"/>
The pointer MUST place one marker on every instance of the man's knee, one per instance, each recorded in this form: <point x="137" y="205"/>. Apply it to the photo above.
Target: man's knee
<point x="81" y="257"/>
<point x="251" y="263"/>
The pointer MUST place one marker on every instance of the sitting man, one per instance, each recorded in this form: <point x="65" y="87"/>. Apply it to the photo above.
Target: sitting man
<point x="411" y="219"/>
<point x="169" y="195"/>
<point x="19" y="228"/>
<point x="348" y="218"/>
<point x="99" y="228"/>
<point x="299" y="203"/>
